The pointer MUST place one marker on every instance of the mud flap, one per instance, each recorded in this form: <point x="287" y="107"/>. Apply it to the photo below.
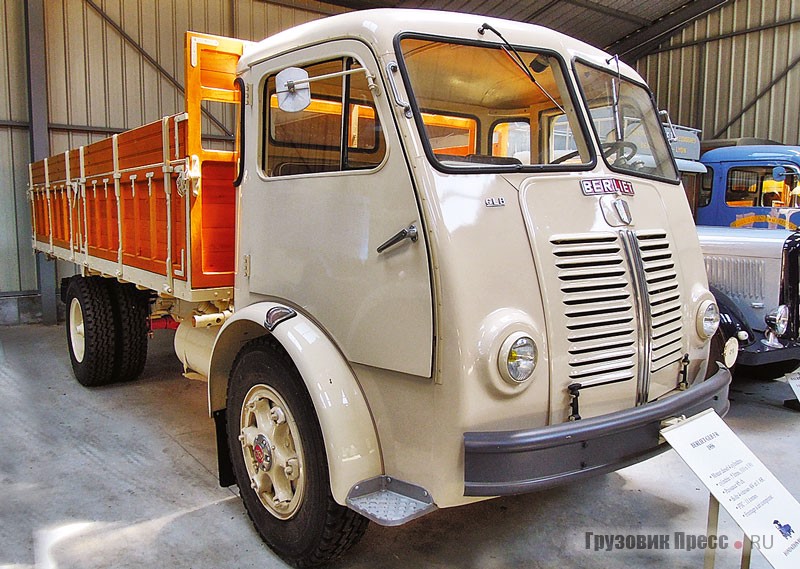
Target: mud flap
<point x="224" y="466"/>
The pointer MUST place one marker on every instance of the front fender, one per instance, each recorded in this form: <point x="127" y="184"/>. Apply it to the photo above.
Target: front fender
<point x="732" y="320"/>
<point x="347" y="427"/>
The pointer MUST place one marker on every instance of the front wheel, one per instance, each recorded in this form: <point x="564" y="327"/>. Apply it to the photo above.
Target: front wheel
<point x="279" y="460"/>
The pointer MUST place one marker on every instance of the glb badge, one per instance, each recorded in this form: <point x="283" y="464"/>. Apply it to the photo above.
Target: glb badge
<point x="495" y="202"/>
<point x="601" y="186"/>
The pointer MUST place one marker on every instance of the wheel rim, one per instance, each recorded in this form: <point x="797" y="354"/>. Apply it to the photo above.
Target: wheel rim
<point x="273" y="453"/>
<point x="77" y="335"/>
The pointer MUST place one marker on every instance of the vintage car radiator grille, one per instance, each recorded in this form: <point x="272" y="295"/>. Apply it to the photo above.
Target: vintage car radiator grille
<point x="738" y="278"/>
<point x="619" y="291"/>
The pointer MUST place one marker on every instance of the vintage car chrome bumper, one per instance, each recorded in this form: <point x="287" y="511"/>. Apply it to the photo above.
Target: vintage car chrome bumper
<point x="515" y="462"/>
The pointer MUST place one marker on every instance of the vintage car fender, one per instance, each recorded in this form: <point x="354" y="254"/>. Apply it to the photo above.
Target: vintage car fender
<point x="732" y="321"/>
<point x="347" y="426"/>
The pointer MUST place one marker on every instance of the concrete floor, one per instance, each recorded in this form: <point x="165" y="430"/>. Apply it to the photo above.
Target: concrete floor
<point x="124" y="476"/>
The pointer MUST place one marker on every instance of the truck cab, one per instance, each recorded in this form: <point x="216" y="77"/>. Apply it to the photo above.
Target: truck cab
<point x="744" y="189"/>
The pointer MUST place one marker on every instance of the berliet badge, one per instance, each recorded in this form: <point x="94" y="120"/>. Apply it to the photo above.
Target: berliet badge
<point x="600" y="186"/>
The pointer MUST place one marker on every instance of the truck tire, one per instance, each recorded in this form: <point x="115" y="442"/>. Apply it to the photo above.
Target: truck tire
<point x="130" y="308"/>
<point x="90" y="331"/>
<point x="279" y="460"/>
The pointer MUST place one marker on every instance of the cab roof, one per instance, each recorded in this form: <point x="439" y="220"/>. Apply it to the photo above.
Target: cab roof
<point x="379" y="27"/>
<point x="752" y="153"/>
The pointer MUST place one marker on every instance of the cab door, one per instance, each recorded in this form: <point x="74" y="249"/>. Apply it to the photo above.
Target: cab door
<point x="331" y="186"/>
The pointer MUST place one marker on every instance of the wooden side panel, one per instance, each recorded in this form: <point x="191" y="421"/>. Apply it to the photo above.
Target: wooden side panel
<point x="151" y="198"/>
<point x="40" y="221"/>
<point x="213" y="226"/>
<point x="101" y="215"/>
<point x="210" y="74"/>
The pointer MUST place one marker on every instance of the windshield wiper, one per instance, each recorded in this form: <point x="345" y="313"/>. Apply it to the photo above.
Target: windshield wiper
<point x="517" y="59"/>
<point x="615" y="87"/>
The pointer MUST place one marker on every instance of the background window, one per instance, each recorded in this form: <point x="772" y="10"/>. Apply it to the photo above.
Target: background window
<point x="755" y="187"/>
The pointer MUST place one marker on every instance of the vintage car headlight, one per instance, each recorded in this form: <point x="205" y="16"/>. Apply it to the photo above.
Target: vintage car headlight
<point x="778" y="319"/>
<point x="518" y="357"/>
<point x="707" y="319"/>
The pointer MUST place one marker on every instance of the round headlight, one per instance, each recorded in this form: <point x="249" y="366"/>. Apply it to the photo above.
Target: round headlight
<point x="518" y="357"/>
<point x="778" y="319"/>
<point x="707" y="319"/>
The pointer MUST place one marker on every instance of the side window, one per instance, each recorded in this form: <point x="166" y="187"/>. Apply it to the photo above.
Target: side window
<point x="339" y="130"/>
<point x="706" y="184"/>
<point x="563" y="146"/>
<point x="742" y="188"/>
<point x="451" y="135"/>
<point x="754" y="187"/>
<point x="512" y="139"/>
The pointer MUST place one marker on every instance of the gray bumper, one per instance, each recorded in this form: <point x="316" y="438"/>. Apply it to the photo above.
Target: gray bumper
<point x="515" y="462"/>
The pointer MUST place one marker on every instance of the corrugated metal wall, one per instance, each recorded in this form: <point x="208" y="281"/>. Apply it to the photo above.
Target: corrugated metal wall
<point x="734" y="73"/>
<point x="100" y="82"/>
<point x="17" y="266"/>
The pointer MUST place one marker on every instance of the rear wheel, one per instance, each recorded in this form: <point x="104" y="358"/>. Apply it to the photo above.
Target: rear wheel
<point x="90" y="331"/>
<point x="278" y="458"/>
<point x="130" y="309"/>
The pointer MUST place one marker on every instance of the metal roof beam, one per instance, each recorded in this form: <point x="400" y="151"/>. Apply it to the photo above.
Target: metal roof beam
<point x="607" y="11"/>
<point x="647" y="39"/>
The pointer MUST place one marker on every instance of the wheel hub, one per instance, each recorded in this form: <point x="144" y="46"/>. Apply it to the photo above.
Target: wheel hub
<point x="272" y="451"/>
<point x="77" y="331"/>
<point x="262" y="452"/>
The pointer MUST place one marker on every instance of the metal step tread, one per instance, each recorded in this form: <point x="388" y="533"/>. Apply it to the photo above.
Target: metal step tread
<point x="389" y="502"/>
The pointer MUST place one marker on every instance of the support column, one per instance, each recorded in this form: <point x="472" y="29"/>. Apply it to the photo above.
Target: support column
<point x="40" y="136"/>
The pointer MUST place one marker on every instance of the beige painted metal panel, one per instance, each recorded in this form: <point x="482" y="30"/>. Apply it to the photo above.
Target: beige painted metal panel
<point x="708" y="83"/>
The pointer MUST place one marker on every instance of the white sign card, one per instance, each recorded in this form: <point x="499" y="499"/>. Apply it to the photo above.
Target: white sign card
<point x="794" y="383"/>
<point x="767" y="513"/>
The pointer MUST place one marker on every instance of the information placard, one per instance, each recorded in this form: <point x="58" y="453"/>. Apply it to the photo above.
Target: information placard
<point x="767" y="513"/>
<point x="794" y="383"/>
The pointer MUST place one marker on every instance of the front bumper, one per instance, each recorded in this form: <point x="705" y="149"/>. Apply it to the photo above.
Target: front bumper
<point x="758" y="353"/>
<point x="515" y="462"/>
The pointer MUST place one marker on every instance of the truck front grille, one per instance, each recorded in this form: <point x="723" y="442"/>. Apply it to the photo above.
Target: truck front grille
<point x="622" y="306"/>
<point x="664" y="299"/>
<point x="598" y="308"/>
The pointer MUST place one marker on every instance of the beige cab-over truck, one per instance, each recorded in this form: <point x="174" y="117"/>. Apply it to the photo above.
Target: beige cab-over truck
<point x="447" y="258"/>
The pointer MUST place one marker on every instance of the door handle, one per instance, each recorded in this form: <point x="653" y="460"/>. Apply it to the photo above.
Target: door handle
<point x="393" y="68"/>
<point x="409" y="232"/>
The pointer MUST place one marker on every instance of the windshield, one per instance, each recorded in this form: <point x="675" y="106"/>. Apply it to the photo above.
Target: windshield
<point x="479" y="109"/>
<point x="626" y="124"/>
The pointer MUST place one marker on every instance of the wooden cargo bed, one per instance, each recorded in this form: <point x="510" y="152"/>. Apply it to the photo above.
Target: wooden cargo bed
<point x="150" y="205"/>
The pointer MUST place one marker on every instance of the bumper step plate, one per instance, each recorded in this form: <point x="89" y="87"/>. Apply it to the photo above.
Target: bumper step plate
<point x="389" y="502"/>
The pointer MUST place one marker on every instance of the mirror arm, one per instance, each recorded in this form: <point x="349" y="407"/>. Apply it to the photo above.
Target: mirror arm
<point x="291" y="86"/>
